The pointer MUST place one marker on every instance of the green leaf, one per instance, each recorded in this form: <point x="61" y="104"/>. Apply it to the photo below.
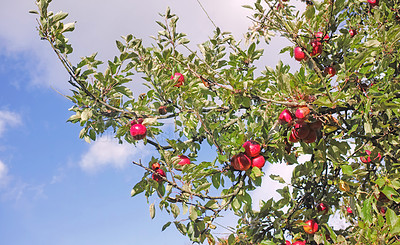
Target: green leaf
<point x="278" y="178"/>
<point x="166" y="226"/>
<point x="175" y="210"/>
<point x="152" y="211"/>
<point x="68" y="27"/>
<point x="59" y="16"/>
<point x="347" y="169"/>
<point x="192" y="213"/>
<point x="120" y="46"/>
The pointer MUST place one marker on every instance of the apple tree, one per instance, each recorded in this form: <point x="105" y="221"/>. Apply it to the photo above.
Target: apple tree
<point x="341" y="108"/>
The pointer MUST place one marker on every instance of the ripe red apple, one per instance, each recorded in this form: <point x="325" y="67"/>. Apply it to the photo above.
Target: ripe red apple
<point x="349" y="210"/>
<point x="293" y="137"/>
<point x="373" y="3"/>
<point x="285" y="117"/>
<point x="287" y="243"/>
<point x="317" y="48"/>
<point x="258" y="161"/>
<point x="138" y="131"/>
<point x="301" y="131"/>
<point x="302" y="113"/>
<point x="183" y="160"/>
<point x="157" y="176"/>
<point x="352" y="32"/>
<point x="299" y="243"/>
<point x="155" y="166"/>
<point x="323" y="208"/>
<point x="252" y="148"/>
<point x="318" y="36"/>
<point x="299" y="55"/>
<point x="311" y="137"/>
<point x="240" y="162"/>
<point x="330" y="70"/>
<point x="311" y="227"/>
<point x="180" y="79"/>
<point x="162" y="110"/>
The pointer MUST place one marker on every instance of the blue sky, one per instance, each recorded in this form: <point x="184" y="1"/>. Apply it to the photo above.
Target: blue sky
<point x="54" y="187"/>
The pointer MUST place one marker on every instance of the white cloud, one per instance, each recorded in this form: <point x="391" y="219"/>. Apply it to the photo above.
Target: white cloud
<point x="106" y="152"/>
<point x="8" y="119"/>
<point x="3" y="173"/>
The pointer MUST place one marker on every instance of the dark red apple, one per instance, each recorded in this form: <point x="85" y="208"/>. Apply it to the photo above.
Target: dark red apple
<point x="382" y="197"/>
<point x="302" y="113"/>
<point x="180" y="79"/>
<point x="258" y="161"/>
<point x="310" y="227"/>
<point x="330" y="70"/>
<point x="315" y="125"/>
<point x="352" y="32"/>
<point x="373" y="3"/>
<point x="157" y="176"/>
<point x="311" y="137"/>
<point x="293" y="137"/>
<point x="240" y="162"/>
<point x="162" y="110"/>
<point x="252" y="148"/>
<point x="323" y="208"/>
<point x="301" y="130"/>
<point x="299" y="55"/>
<point x="138" y="121"/>
<point x="285" y="117"/>
<point x="138" y="131"/>
<point x="317" y="48"/>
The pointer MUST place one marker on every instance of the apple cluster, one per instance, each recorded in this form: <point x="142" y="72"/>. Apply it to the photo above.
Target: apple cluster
<point x="302" y="129"/>
<point x="250" y="158"/>
<point x="316" y="44"/>
<point x="159" y="173"/>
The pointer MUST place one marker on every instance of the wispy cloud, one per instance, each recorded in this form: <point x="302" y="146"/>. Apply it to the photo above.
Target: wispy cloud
<point x="107" y="152"/>
<point x="3" y="173"/>
<point x="8" y="119"/>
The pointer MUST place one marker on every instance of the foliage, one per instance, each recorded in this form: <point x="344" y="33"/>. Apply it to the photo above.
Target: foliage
<point x="226" y="100"/>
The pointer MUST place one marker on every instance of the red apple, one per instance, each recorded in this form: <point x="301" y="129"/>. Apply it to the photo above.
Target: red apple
<point x="317" y="48"/>
<point x="157" y="176"/>
<point x="299" y="55"/>
<point x="318" y="36"/>
<point x="311" y="137"/>
<point x="162" y="110"/>
<point x="180" y="79"/>
<point x="323" y="208"/>
<point x="285" y="117"/>
<point x="352" y="32"/>
<point x="301" y="131"/>
<point x="293" y="137"/>
<point x="258" y="161"/>
<point x="349" y="210"/>
<point x="382" y="210"/>
<point x="183" y="160"/>
<point x="373" y="3"/>
<point x="330" y="70"/>
<point x="299" y="243"/>
<point x="240" y="162"/>
<point x="252" y="148"/>
<point x="311" y="227"/>
<point x="302" y="113"/>
<point x="155" y="166"/>
<point x="287" y="243"/>
<point x="138" y="131"/>
<point x="138" y="121"/>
